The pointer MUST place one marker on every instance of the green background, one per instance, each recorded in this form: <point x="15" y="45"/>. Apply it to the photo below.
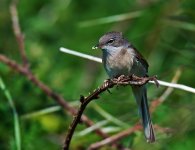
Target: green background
<point x="163" y="31"/>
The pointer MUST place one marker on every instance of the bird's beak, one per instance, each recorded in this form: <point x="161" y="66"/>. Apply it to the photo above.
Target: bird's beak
<point x="96" y="46"/>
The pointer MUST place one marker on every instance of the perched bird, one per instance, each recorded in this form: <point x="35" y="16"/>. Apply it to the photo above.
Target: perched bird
<point x="121" y="58"/>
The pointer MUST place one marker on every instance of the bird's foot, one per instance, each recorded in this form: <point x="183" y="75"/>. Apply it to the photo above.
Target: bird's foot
<point x="154" y="78"/>
<point x="136" y="78"/>
<point x="119" y="79"/>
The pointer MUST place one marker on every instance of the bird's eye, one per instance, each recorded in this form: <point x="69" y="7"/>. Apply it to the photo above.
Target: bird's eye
<point x="110" y="41"/>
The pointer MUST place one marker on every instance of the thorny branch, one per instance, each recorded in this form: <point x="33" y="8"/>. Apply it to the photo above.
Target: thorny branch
<point x="121" y="80"/>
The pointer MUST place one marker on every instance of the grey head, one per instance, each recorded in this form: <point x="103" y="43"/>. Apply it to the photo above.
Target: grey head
<point x="112" y="41"/>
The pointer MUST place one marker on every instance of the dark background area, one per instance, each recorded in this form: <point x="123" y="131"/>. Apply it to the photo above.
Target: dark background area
<point x="163" y="31"/>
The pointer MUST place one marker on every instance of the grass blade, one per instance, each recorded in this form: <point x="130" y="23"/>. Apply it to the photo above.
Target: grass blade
<point x="15" y="115"/>
<point x="92" y="128"/>
<point x="41" y="112"/>
<point x="109" y="116"/>
<point x="110" y="19"/>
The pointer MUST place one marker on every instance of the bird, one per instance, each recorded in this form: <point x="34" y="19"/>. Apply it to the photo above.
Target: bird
<point x="120" y="57"/>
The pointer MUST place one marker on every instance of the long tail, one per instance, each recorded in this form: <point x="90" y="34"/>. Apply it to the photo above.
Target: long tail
<point x="140" y="94"/>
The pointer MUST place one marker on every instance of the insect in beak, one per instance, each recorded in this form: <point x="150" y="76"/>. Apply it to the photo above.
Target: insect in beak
<point x="96" y="46"/>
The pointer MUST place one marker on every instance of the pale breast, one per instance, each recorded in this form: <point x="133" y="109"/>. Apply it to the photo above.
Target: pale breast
<point x="118" y="64"/>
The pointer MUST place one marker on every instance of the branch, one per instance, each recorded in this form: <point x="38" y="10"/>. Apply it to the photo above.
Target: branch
<point x="59" y="99"/>
<point x="163" y="83"/>
<point x="17" y="32"/>
<point x="122" y="80"/>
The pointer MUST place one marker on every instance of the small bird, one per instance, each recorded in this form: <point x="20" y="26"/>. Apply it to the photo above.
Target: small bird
<point x="120" y="57"/>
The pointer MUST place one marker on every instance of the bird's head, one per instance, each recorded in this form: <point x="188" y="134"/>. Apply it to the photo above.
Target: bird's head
<point x="112" y="41"/>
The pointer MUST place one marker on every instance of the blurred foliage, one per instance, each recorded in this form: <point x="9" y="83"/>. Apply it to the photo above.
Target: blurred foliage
<point x="163" y="31"/>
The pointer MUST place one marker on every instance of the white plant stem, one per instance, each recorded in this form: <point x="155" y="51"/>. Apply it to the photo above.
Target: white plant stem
<point x="162" y="83"/>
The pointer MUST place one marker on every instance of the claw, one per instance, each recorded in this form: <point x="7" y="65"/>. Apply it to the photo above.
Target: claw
<point x="154" y="78"/>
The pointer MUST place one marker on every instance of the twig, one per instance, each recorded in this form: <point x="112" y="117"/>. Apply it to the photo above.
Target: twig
<point x="163" y="83"/>
<point x="166" y="130"/>
<point x="17" y="32"/>
<point x="115" y="137"/>
<point x="122" y="80"/>
<point x="75" y="53"/>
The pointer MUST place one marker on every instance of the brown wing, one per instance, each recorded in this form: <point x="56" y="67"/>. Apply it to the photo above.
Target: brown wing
<point x="141" y="58"/>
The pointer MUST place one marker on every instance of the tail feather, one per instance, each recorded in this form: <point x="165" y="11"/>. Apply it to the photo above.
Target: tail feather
<point x="140" y="94"/>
